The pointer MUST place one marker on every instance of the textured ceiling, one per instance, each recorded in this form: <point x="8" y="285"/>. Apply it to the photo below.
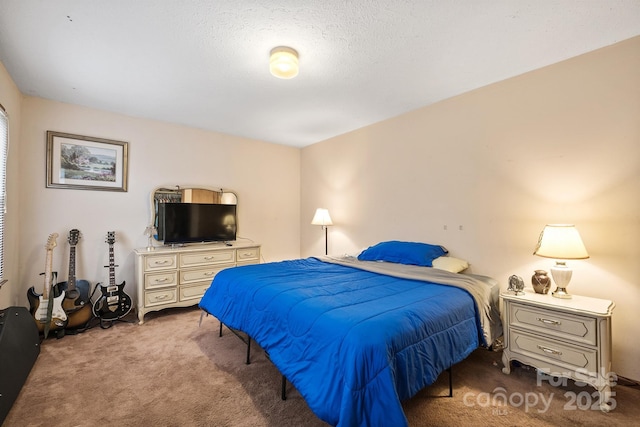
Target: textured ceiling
<point x="204" y="63"/>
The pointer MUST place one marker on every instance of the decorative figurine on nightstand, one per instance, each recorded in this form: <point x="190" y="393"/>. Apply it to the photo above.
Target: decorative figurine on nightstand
<point x="541" y="282"/>
<point x="516" y="285"/>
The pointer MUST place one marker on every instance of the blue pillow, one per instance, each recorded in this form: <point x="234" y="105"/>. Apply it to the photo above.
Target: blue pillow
<point x="412" y="253"/>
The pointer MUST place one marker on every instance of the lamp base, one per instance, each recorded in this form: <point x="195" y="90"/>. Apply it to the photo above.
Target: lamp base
<point x="562" y="276"/>
<point x="561" y="293"/>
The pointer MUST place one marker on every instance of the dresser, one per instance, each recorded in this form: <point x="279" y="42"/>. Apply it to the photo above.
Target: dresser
<point x="565" y="338"/>
<point x="178" y="277"/>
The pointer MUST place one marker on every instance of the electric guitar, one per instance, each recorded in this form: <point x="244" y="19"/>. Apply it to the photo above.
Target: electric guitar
<point x="45" y="308"/>
<point x="76" y="299"/>
<point x="114" y="303"/>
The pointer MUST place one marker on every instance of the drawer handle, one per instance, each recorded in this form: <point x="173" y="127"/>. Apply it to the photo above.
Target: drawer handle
<point x="549" y="321"/>
<point x="208" y="258"/>
<point x="166" y="261"/>
<point x="162" y="297"/>
<point x="550" y="350"/>
<point x="208" y="273"/>
<point x="247" y="254"/>
<point x="164" y="279"/>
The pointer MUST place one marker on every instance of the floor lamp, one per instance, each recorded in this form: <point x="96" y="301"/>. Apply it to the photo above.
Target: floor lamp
<point x="322" y="218"/>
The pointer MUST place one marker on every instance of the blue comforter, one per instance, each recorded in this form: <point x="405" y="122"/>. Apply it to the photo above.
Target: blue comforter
<point x="354" y="343"/>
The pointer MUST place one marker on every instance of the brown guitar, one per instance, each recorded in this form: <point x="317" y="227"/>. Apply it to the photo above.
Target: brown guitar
<point x="76" y="298"/>
<point x="47" y="310"/>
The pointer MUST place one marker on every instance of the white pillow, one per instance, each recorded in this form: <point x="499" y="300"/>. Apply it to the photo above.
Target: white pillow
<point x="449" y="263"/>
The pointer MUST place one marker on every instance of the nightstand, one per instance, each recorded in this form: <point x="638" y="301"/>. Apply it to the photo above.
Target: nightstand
<point x="569" y="338"/>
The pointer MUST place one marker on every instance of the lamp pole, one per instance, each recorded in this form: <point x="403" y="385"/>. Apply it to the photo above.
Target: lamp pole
<point x="323" y="219"/>
<point x="326" y="240"/>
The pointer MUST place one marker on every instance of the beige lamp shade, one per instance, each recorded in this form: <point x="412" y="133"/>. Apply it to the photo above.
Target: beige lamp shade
<point x="561" y="241"/>
<point x="321" y="217"/>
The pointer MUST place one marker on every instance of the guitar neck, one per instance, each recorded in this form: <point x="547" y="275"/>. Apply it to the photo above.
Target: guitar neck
<point x="71" y="283"/>
<point x="48" y="278"/>
<point x="47" y="274"/>
<point x="112" y="266"/>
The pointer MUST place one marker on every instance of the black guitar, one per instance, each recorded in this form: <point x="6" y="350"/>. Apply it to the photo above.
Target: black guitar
<point x="114" y="303"/>
<point x="76" y="298"/>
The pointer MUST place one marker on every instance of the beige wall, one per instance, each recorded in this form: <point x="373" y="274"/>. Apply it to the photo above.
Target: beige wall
<point x="561" y="144"/>
<point x="11" y="100"/>
<point x="265" y="177"/>
<point x="493" y="166"/>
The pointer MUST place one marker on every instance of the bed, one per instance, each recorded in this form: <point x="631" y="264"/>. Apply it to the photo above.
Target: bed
<point x="357" y="336"/>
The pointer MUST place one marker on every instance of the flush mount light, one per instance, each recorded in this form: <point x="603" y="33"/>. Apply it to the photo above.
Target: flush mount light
<point x="283" y="62"/>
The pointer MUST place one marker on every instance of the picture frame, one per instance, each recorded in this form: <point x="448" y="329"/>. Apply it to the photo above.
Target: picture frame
<point x="86" y="163"/>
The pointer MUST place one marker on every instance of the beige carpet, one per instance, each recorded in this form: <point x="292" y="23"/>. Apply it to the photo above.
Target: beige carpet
<point x="171" y="372"/>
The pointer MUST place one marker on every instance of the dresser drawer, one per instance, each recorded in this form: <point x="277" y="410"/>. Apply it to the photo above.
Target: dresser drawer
<point x="554" y="352"/>
<point x="199" y="275"/>
<point x="160" y="262"/>
<point x="193" y="292"/>
<point x="161" y="279"/>
<point x="567" y="326"/>
<point x="160" y="297"/>
<point x="247" y="255"/>
<point x="207" y="258"/>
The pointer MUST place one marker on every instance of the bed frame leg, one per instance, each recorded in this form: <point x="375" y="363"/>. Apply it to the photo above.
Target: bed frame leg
<point x="220" y="334"/>
<point x="450" y="383"/>
<point x="284" y="388"/>
<point x="248" y="350"/>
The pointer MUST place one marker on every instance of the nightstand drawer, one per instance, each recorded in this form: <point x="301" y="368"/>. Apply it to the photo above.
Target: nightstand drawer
<point x="554" y="352"/>
<point x="549" y="322"/>
<point x="205" y="258"/>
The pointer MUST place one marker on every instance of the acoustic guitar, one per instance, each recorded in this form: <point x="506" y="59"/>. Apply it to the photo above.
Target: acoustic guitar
<point x="76" y="299"/>
<point x="114" y="303"/>
<point x="45" y="308"/>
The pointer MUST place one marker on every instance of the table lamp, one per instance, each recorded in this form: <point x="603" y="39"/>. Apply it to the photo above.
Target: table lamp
<point x="561" y="242"/>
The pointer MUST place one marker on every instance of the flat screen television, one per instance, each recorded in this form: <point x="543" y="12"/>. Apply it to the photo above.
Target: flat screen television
<point x="196" y="222"/>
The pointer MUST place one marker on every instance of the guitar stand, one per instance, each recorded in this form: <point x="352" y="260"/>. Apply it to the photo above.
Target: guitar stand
<point x="106" y="324"/>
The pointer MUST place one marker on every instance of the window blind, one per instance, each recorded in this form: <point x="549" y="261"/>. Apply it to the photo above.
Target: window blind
<point x="4" y="147"/>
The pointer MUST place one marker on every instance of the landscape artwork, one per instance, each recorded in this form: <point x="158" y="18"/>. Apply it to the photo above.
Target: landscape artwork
<point x="86" y="163"/>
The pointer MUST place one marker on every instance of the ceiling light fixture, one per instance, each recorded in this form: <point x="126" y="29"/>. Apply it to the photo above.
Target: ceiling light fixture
<point x="283" y="62"/>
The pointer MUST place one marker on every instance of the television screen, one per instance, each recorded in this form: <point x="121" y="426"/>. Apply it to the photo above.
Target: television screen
<point x="196" y="222"/>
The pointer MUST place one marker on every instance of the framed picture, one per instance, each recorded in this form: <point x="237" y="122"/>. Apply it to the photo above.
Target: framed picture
<point x="85" y="163"/>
